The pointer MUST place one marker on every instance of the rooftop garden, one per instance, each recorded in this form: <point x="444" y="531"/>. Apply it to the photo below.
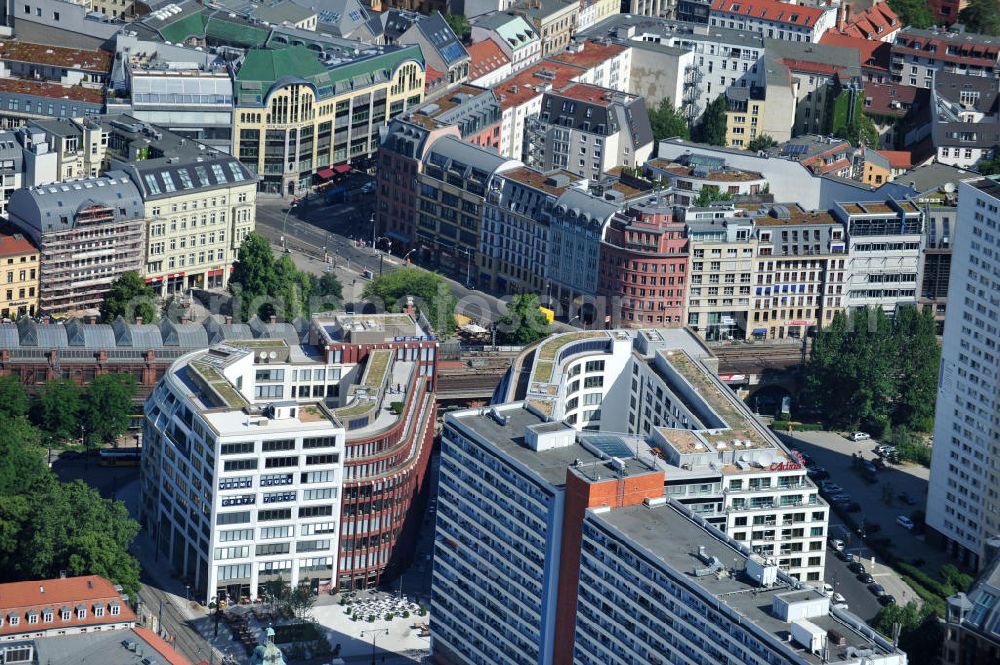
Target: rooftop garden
<point x="545" y="358"/>
<point x="378" y="365"/>
<point x="218" y="384"/>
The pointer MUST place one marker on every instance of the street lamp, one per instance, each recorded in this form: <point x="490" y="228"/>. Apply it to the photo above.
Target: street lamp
<point x="374" y="633"/>
<point x="284" y="221"/>
<point x="373" y="234"/>
<point x="406" y="256"/>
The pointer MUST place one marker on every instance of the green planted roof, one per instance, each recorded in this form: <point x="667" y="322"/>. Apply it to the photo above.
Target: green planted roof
<point x="270" y="65"/>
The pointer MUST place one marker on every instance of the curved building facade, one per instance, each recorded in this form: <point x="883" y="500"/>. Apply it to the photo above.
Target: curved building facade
<point x="265" y="458"/>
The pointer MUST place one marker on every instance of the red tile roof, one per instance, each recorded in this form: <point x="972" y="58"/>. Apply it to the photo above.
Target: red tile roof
<point x="165" y="651"/>
<point x="52" y="90"/>
<point x="55" y="56"/>
<point x="770" y="10"/>
<point x="874" y="54"/>
<point x="15" y="244"/>
<point x="528" y="82"/>
<point x="591" y="55"/>
<point x="486" y="57"/>
<point x="433" y="79"/>
<point x="584" y="92"/>
<point x="19" y="598"/>
<point x="873" y="23"/>
<point x="898" y="159"/>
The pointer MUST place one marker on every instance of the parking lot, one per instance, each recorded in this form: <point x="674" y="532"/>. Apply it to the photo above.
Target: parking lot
<point x="879" y="504"/>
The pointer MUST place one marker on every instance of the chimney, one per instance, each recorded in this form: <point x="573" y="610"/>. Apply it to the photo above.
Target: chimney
<point x="229" y="320"/>
<point x="410" y="308"/>
<point x="41" y="589"/>
<point x="184" y="319"/>
<point x="274" y="319"/>
<point x="93" y="319"/>
<point x="138" y="320"/>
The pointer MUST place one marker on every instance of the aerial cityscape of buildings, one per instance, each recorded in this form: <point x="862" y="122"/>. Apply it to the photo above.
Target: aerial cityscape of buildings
<point x="689" y="192"/>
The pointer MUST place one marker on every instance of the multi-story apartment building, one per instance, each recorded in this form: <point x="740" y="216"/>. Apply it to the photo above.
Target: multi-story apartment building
<point x="774" y="19"/>
<point x="554" y="21"/>
<point x="607" y="65"/>
<point x="644" y="265"/>
<point x="918" y="54"/>
<point x="200" y="203"/>
<point x="65" y="66"/>
<point x="19" y="270"/>
<point x="89" y="231"/>
<point x="308" y="431"/>
<point x="689" y="174"/>
<point x="970" y="634"/>
<point x="520" y="99"/>
<point x="688" y="64"/>
<point x="823" y="155"/>
<point x="965" y="118"/>
<point x="962" y="509"/>
<point x="516" y="236"/>
<point x="473" y="110"/>
<point x="442" y="49"/>
<point x="184" y="90"/>
<point x="61" y="149"/>
<point x="801" y="265"/>
<point x="593" y="12"/>
<point x="722" y="248"/>
<point x="401" y="154"/>
<point x="298" y="110"/>
<point x="588" y="130"/>
<point x="884" y="244"/>
<point x="941" y="219"/>
<point x="745" y="116"/>
<point x="946" y="11"/>
<point x="488" y="64"/>
<point x="12" y="168"/>
<point x="454" y="183"/>
<point x="516" y="37"/>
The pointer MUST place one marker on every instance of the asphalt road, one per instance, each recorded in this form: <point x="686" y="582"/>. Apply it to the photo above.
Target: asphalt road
<point x="312" y="227"/>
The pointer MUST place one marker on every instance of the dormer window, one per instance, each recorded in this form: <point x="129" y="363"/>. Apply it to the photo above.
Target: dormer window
<point x="98" y="611"/>
<point x="66" y="614"/>
<point x="81" y="612"/>
<point x="32" y="617"/>
<point x="14" y="620"/>
<point x="115" y="609"/>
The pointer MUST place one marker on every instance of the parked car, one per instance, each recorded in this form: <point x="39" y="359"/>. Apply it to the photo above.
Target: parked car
<point x="860" y="436"/>
<point x="819" y="474"/>
<point x="904" y="522"/>
<point x="887" y="599"/>
<point x="841" y="498"/>
<point x="885" y="450"/>
<point x="368" y="188"/>
<point x="831" y="488"/>
<point x="876" y="589"/>
<point x="837" y="598"/>
<point x="836" y="544"/>
<point x="907" y="499"/>
<point x="843" y="555"/>
<point x="866" y="578"/>
<point x="856" y="567"/>
<point x="869" y="467"/>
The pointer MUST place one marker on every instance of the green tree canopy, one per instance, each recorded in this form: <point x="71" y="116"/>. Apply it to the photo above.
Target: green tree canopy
<point x="56" y="408"/>
<point x="920" y="634"/>
<point x="981" y="16"/>
<point x="108" y="406"/>
<point x="990" y="166"/>
<point x="13" y="397"/>
<point x="268" y="286"/>
<point x="709" y="194"/>
<point x="523" y="323"/>
<point x="429" y="290"/>
<point x="47" y="526"/>
<point x="130" y="297"/>
<point x="711" y="128"/>
<point x="667" y="122"/>
<point x="913" y="13"/>
<point x="761" y="142"/>
<point x="866" y="369"/>
<point x="459" y="25"/>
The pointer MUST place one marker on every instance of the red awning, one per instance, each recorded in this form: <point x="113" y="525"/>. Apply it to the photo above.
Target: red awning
<point x="342" y="168"/>
<point x="325" y="174"/>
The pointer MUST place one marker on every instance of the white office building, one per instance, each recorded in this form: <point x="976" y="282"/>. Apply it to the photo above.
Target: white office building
<point x="240" y="487"/>
<point x="659" y="389"/>
<point x="963" y="506"/>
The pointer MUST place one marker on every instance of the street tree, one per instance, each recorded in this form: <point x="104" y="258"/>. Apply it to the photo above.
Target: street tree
<point x="129" y="297"/>
<point x="56" y="408"/>
<point x="47" y="527"/>
<point x="711" y="128"/>
<point x="667" y="122"/>
<point x="921" y="632"/>
<point x="108" y="406"/>
<point x="13" y="397"/>
<point x="429" y="290"/>
<point x="523" y="323"/>
<point x="981" y="16"/>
